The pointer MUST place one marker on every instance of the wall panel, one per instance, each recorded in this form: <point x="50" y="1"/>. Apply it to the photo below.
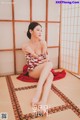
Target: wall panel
<point x="20" y="33"/>
<point x="53" y="55"/>
<point x="6" y="63"/>
<point x="6" y="35"/>
<point x="38" y="10"/>
<point x="20" y="61"/>
<point x="6" y="9"/>
<point x="53" y="11"/>
<point x="22" y="9"/>
<point x="53" y="34"/>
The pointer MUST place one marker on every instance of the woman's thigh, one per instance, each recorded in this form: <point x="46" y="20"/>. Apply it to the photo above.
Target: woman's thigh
<point x="37" y="70"/>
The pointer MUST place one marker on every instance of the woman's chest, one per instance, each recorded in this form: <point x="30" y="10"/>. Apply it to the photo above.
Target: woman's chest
<point x="37" y="49"/>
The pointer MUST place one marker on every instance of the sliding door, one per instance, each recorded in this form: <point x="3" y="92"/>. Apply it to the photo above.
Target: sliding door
<point x="70" y="38"/>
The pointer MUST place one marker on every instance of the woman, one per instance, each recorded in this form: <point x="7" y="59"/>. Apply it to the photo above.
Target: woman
<point x="35" y="51"/>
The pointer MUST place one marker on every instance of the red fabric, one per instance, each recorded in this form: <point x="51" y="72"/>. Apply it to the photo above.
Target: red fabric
<point x="25" y="78"/>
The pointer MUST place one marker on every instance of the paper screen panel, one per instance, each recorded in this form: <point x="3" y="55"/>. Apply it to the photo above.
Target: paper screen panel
<point x="53" y="34"/>
<point x="53" y="55"/>
<point x="53" y="10"/>
<point x="20" y="61"/>
<point x="70" y="39"/>
<point x="6" y="36"/>
<point x="21" y="33"/>
<point x="6" y="63"/>
<point x="7" y="12"/>
<point x="22" y="9"/>
<point x="38" y="9"/>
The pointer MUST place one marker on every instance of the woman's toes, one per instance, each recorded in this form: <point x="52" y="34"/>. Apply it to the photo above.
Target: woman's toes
<point x="43" y="108"/>
<point x="33" y="104"/>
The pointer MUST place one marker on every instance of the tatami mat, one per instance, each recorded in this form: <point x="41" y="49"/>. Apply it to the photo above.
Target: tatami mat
<point x="5" y="101"/>
<point x="19" y="83"/>
<point x="63" y="101"/>
<point x="63" y="115"/>
<point x="27" y="96"/>
<point x="70" y="86"/>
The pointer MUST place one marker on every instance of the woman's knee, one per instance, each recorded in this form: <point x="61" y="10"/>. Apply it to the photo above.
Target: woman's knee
<point x="49" y="64"/>
<point x="51" y="76"/>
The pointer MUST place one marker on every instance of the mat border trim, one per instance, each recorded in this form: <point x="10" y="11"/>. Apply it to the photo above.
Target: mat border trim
<point x="17" y="109"/>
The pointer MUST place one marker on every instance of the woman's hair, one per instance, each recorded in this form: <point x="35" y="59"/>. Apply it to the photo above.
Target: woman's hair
<point x="32" y="25"/>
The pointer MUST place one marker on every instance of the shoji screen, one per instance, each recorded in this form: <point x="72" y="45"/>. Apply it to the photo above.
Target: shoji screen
<point x="21" y="22"/>
<point x="70" y="38"/>
<point x="53" y="27"/>
<point x="15" y="16"/>
<point x="6" y="38"/>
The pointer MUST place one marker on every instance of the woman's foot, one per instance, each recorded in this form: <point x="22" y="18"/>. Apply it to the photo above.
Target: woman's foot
<point x="43" y="107"/>
<point x="36" y="98"/>
<point x="34" y="101"/>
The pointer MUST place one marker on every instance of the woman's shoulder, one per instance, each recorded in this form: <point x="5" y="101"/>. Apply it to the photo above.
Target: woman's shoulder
<point x="25" y="44"/>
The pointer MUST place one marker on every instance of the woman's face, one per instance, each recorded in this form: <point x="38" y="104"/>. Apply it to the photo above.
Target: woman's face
<point x="37" y="32"/>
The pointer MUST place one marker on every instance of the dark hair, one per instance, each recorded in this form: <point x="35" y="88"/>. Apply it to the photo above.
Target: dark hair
<point x="32" y="25"/>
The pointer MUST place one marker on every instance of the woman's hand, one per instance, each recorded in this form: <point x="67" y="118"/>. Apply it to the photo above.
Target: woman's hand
<point x="44" y="47"/>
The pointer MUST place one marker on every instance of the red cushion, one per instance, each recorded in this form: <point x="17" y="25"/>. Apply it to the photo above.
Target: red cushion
<point x="25" y="78"/>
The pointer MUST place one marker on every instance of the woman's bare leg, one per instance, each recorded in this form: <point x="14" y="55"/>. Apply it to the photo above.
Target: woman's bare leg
<point x="43" y="76"/>
<point x="47" y="87"/>
<point x="42" y="106"/>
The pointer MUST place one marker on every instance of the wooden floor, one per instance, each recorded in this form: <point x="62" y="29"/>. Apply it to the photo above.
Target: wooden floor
<point x="63" y="101"/>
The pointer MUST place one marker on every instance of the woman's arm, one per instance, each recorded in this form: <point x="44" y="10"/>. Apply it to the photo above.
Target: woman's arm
<point x="44" y="49"/>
